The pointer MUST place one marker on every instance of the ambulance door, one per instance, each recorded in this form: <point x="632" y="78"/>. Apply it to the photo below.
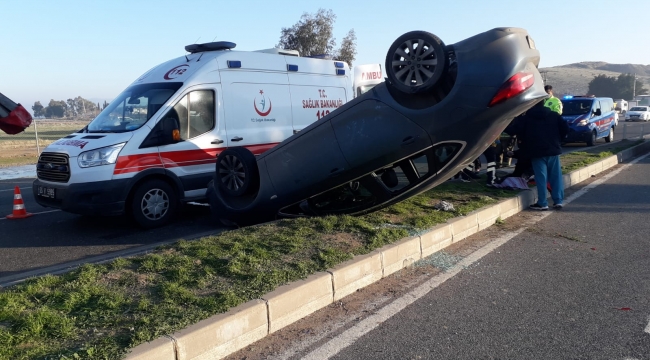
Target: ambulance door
<point x="202" y="138"/>
<point x="316" y="90"/>
<point x="257" y="109"/>
<point x="312" y="103"/>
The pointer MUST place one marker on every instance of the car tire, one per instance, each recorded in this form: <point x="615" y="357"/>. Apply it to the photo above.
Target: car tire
<point x="610" y="136"/>
<point x="592" y="140"/>
<point x="236" y="172"/>
<point x="153" y="204"/>
<point x="412" y="70"/>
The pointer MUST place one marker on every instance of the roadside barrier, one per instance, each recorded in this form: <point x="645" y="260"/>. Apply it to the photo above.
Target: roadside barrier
<point x="223" y="334"/>
<point x="19" y="206"/>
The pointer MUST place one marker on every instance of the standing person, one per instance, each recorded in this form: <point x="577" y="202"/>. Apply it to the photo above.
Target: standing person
<point x="491" y="157"/>
<point x="541" y="131"/>
<point x="552" y="102"/>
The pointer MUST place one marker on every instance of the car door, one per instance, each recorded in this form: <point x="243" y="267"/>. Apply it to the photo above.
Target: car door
<point x="193" y="158"/>
<point x="597" y="120"/>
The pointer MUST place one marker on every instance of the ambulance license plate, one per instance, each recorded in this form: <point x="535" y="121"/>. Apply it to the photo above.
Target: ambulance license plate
<point x="46" y="192"/>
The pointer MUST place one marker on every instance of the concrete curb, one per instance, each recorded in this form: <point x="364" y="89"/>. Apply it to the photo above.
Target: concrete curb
<point x="223" y="334"/>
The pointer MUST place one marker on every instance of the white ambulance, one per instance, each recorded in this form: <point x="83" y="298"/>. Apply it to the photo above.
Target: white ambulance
<point x="366" y="77"/>
<point x="154" y="147"/>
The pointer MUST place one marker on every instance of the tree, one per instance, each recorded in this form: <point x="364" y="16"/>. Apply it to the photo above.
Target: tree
<point x="626" y="88"/>
<point x="72" y="109"/>
<point x="348" y="49"/>
<point x="313" y="35"/>
<point x="56" y="109"/>
<point x="617" y="88"/>
<point x="38" y="109"/>
<point x="603" y="85"/>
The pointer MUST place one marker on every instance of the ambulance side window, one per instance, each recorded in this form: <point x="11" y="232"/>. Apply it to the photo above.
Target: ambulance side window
<point x="195" y="113"/>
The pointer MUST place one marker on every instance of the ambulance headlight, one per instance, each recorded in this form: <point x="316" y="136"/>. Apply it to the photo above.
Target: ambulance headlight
<point x="97" y="157"/>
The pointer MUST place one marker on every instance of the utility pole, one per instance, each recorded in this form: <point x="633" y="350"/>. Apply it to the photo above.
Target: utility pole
<point x="634" y="88"/>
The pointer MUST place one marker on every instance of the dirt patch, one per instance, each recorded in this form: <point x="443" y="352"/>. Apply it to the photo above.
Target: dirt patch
<point x="344" y="241"/>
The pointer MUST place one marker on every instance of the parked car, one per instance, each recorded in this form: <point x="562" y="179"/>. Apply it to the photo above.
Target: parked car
<point x="638" y="113"/>
<point x="438" y="110"/>
<point x="590" y="118"/>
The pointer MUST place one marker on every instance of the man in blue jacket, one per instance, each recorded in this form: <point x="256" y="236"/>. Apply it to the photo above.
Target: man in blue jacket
<point x="541" y="131"/>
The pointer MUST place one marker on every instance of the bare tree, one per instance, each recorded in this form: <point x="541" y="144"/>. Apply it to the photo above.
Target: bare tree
<point x="348" y="50"/>
<point x="313" y="35"/>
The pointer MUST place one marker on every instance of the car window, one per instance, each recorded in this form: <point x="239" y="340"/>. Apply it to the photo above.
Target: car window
<point x="195" y="113"/>
<point x="639" y="108"/>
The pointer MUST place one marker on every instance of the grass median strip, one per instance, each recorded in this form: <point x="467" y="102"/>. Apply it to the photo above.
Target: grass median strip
<point x="99" y="311"/>
<point x="579" y="159"/>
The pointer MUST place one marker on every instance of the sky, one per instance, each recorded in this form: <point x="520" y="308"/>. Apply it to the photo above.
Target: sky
<point x="61" y="49"/>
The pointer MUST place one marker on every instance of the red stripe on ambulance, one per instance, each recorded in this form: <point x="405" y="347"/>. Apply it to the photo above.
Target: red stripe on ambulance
<point x="139" y="162"/>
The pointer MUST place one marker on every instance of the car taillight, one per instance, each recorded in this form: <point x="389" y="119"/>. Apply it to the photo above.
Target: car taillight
<point x="517" y="84"/>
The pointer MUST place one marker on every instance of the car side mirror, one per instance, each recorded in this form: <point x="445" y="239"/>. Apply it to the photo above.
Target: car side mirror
<point x="166" y="132"/>
<point x="597" y="112"/>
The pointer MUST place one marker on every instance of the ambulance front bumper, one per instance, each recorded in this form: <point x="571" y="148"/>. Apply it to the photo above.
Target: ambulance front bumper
<point x="104" y="198"/>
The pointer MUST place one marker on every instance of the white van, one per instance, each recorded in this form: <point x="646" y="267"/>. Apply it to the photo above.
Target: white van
<point x="155" y="145"/>
<point x="366" y="77"/>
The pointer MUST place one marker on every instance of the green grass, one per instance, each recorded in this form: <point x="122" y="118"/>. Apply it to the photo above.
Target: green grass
<point x="99" y="311"/>
<point x="579" y="159"/>
<point x="18" y="160"/>
<point x="47" y="130"/>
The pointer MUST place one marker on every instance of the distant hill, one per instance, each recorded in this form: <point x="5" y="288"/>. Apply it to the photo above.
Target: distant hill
<point x="574" y="78"/>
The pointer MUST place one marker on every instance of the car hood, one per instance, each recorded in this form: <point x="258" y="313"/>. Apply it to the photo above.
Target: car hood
<point x="75" y="144"/>
<point x="636" y="112"/>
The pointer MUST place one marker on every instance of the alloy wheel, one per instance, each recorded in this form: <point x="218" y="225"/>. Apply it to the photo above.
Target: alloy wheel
<point x="232" y="172"/>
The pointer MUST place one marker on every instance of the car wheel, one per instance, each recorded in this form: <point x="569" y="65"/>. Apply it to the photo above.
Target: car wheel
<point x="592" y="140"/>
<point x="415" y="62"/>
<point x="610" y="136"/>
<point x="153" y="204"/>
<point x="237" y="173"/>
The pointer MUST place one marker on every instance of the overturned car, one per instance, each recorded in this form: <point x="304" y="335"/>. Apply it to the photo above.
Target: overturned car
<point x="440" y="107"/>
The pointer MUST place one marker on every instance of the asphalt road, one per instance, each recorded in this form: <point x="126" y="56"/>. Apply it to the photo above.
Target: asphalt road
<point x="52" y="238"/>
<point x="585" y="295"/>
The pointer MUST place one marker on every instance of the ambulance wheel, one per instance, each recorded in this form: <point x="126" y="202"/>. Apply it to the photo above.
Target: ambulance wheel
<point x="415" y="62"/>
<point x="154" y="203"/>
<point x="237" y="173"/>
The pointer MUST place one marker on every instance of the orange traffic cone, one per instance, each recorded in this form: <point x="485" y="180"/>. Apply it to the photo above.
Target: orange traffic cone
<point x="19" y="207"/>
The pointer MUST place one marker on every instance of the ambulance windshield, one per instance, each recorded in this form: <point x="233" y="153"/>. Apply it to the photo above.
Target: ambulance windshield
<point x="132" y="108"/>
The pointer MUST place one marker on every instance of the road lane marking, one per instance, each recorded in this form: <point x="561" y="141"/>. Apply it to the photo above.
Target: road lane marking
<point x="647" y="328"/>
<point x="38" y="213"/>
<point x="350" y="336"/>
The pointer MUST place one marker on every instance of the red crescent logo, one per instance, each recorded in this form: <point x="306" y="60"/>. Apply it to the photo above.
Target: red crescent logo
<point x="263" y="113"/>
<point x="177" y="71"/>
